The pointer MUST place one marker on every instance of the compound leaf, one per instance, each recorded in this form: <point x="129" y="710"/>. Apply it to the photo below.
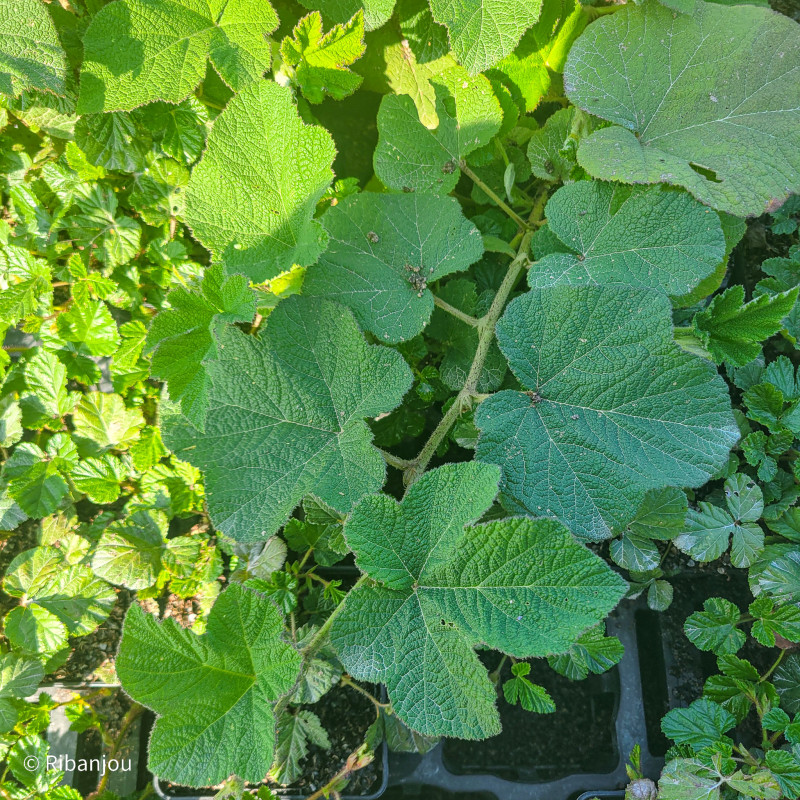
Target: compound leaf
<point x="652" y="237"/>
<point x="137" y="51"/>
<point x="520" y="585"/>
<point x="182" y="337"/>
<point x="31" y="56"/>
<point x="484" y="31"/>
<point x="285" y="417"/>
<point x="614" y="408"/>
<point x="686" y="116"/>
<point x="383" y="252"/>
<point x="211" y="692"/>
<point x="252" y="196"/>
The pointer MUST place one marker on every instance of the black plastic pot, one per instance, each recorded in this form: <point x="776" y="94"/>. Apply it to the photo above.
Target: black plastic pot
<point x="602" y="796"/>
<point x="624" y="683"/>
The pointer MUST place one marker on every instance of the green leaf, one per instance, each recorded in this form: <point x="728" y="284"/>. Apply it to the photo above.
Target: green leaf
<point x="440" y="589"/>
<point x="708" y="533"/>
<point x="112" y="141"/>
<point x="781" y="577"/>
<point x="651" y="415"/>
<point x="129" y="551"/>
<point x="321" y="60"/>
<point x="688" y="779"/>
<point x="384" y="250"/>
<point x="19" y="676"/>
<point x="148" y="449"/>
<point x="546" y="148"/>
<point x="427" y="38"/>
<point x="10" y="421"/>
<point x="259" y="221"/>
<point x="91" y="326"/>
<point x="376" y="12"/>
<point x="211" y="692"/>
<point x="31" y="56"/>
<point x="715" y="628"/>
<point x="701" y="725"/>
<point x="68" y="591"/>
<point x="652" y="237"/>
<point x="137" y="51"/>
<point x="484" y="31"/>
<point x="179" y="129"/>
<point x="159" y="193"/>
<point x="744" y="498"/>
<point x="725" y="151"/>
<point x="26" y="282"/>
<point x="771" y="619"/>
<point x="34" y="480"/>
<point x="295" y="731"/>
<point x="661" y="514"/>
<point x="99" y="478"/>
<point x="102" y="422"/>
<point x="786" y="680"/>
<point x="285" y="417"/>
<point x="634" y="553"/>
<point x="48" y="400"/>
<point x="33" y="629"/>
<point x="593" y="651"/>
<point x="659" y="595"/>
<point x="785" y="767"/>
<point x="732" y="331"/>
<point x="410" y="157"/>
<point x="182" y="337"/>
<point x="530" y="696"/>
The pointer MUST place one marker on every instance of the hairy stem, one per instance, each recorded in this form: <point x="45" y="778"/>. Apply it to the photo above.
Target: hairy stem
<point x="489" y="191"/>
<point x="485" y="326"/>
<point x="133" y="712"/>
<point x="445" y="306"/>
<point x="395" y="461"/>
<point x="348" y="681"/>
<point x="319" y="636"/>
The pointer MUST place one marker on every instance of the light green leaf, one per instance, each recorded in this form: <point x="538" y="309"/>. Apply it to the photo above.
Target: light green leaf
<point x="383" y="252"/>
<point x="708" y="533"/>
<point x="102" y="422"/>
<point x="376" y="12"/>
<point x="24" y="284"/>
<point x="259" y="220"/>
<point x="285" y="417"/>
<point x="295" y="731"/>
<point x="33" y="629"/>
<point x="182" y="338"/>
<point x="31" y="57"/>
<point x="19" y="676"/>
<point x="747" y="543"/>
<point x="34" y="480"/>
<point x="659" y="595"/>
<point x="211" y="692"/>
<point x="732" y="330"/>
<point x="785" y="767"/>
<point x="11" y="515"/>
<point x="159" y="195"/>
<point x="687" y="779"/>
<point x="46" y="378"/>
<point x="137" y="51"/>
<point x="591" y="652"/>
<point x="530" y="696"/>
<point x="634" y="553"/>
<point x="546" y="146"/>
<point x="781" y="577"/>
<point x="652" y="237"/>
<point x="715" y="627"/>
<point x="773" y="619"/>
<point x="91" y="326"/>
<point x="686" y="116"/>
<point x="179" y="129"/>
<point x="129" y="551"/>
<point x="410" y="157"/>
<point x="10" y="421"/>
<point x="440" y="589"/>
<point x="701" y="725"/>
<point x="148" y="449"/>
<point x="321" y="61"/>
<point x="484" y="31"/>
<point x="99" y="478"/>
<point x="112" y="141"/>
<point x="651" y="415"/>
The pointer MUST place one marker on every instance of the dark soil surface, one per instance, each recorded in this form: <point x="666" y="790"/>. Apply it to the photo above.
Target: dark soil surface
<point x="541" y="747"/>
<point x="432" y="793"/>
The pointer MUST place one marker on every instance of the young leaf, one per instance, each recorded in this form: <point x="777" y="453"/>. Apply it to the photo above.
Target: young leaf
<point x="285" y="417"/>
<point x="441" y="588"/>
<point x="529" y="695"/>
<point x="384" y="250"/>
<point x="211" y="692"/>
<point x="112" y="141"/>
<point x="701" y="725"/>
<point x="593" y="651"/>
<point x="321" y="61"/>
<point x="715" y="627"/>
<point x="725" y="150"/>
<point x="99" y="478"/>
<point x="410" y="157"/>
<point x="661" y="514"/>
<point x="31" y="56"/>
<point x="34" y="480"/>
<point x="137" y="51"/>
<point x="708" y="533"/>
<point x="182" y="339"/>
<point x="652" y="237"/>
<point x="772" y="619"/>
<point x="259" y="221"/>
<point x="19" y="677"/>
<point x="90" y="326"/>
<point x="688" y="779"/>
<point x="33" y="629"/>
<point x="484" y="31"/>
<point x="102" y="422"/>
<point x="376" y="12"/>
<point x="651" y="416"/>
<point x="295" y="731"/>
<point x="732" y="331"/>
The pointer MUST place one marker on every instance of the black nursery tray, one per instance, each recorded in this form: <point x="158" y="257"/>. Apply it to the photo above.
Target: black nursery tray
<point x="605" y="733"/>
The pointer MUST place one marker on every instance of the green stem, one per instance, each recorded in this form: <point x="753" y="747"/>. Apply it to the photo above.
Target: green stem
<point x="773" y="667"/>
<point x="489" y="191"/>
<point x="318" y="638"/>
<point x="395" y="461"/>
<point x="445" y="306"/>
<point x="348" y="681"/>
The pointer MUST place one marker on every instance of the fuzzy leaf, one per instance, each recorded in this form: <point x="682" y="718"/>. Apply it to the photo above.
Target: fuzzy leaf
<point x="102" y="422"/>
<point x="295" y="731"/>
<point x="732" y="330"/>
<point x="137" y="51"/>
<point x="650" y="237"/>
<point x="257" y="219"/>
<point x="376" y="12"/>
<point x="701" y="725"/>
<point x="182" y="340"/>
<point x="651" y="415"/>
<point x="715" y="627"/>
<point x="410" y="157"/>
<point x="686" y="116"/>
<point x="210" y="692"/>
<point x="321" y="61"/>
<point x="384" y="250"/>
<point x="285" y="417"/>
<point x="484" y="31"/>
<point x="519" y="585"/>
<point x="31" y="56"/>
<point x="786" y="679"/>
<point x="591" y="652"/>
<point x="530" y="696"/>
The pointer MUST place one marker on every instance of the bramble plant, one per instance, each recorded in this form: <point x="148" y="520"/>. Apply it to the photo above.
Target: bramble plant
<point x="437" y="293"/>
